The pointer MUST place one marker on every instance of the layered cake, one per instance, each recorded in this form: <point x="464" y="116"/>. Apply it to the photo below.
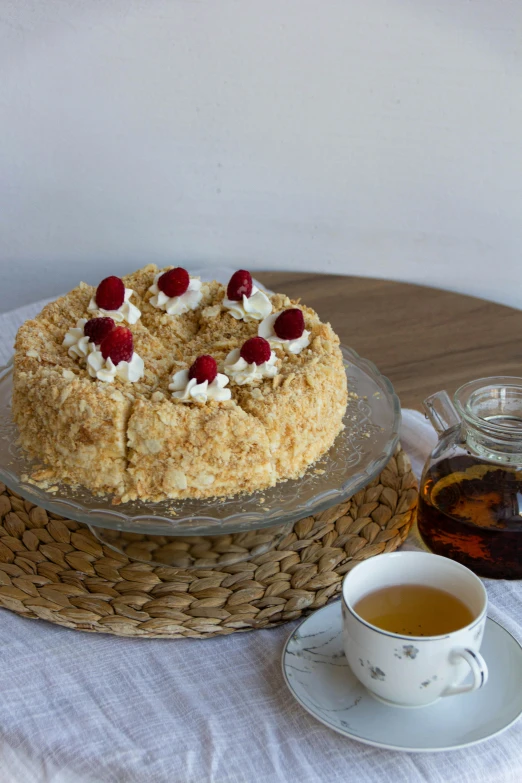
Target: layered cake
<point x="160" y="386"/>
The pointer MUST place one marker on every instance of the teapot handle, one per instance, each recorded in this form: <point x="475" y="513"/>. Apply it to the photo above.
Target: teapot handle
<point x="441" y="412"/>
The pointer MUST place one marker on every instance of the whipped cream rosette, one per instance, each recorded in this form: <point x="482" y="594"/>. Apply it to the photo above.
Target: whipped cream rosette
<point x="175" y="292"/>
<point x="244" y="301"/>
<point x="112" y="300"/>
<point x="285" y="329"/>
<point x="78" y="344"/>
<point x="253" y="362"/>
<point x="105" y="370"/>
<point x="200" y="383"/>
<point x="116" y="358"/>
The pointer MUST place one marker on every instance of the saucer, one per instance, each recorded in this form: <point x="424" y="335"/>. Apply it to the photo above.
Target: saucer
<point x="318" y="676"/>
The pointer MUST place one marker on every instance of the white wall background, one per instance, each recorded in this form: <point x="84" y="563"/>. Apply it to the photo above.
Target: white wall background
<point x="375" y="137"/>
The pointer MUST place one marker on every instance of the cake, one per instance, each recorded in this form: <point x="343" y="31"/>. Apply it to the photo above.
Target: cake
<point x="158" y="386"/>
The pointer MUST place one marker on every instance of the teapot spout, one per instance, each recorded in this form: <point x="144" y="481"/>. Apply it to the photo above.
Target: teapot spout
<point x="441" y="412"/>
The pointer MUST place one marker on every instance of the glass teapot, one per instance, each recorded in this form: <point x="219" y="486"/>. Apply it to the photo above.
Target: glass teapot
<point x="470" y="503"/>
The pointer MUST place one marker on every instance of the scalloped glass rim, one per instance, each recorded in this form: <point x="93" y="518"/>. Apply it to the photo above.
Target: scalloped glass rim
<point x="359" y="454"/>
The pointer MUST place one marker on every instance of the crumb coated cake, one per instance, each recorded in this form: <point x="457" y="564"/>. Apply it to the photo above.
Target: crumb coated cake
<point x="160" y="386"/>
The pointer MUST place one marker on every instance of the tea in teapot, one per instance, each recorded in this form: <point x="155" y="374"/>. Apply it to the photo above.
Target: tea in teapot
<point x="470" y="503"/>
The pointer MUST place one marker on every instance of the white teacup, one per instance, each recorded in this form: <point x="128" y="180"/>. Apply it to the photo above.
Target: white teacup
<point x="412" y="671"/>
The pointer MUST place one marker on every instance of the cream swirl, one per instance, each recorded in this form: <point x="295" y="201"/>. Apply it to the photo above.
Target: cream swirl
<point x="126" y="312"/>
<point x="189" y="390"/>
<point x="241" y="372"/>
<point x="105" y="369"/>
<point x="266" y="330"/>
<point x="77" y="341"/>
<point x="253" y="308"/>
<point x="176" y="305"/>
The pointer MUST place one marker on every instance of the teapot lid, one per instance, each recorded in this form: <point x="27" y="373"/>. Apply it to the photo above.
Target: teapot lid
<point x="495" y="401"/>
<point x="491" y="410"/>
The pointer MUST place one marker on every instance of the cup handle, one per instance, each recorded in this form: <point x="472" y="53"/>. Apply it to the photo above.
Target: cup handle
<point x="478" y="667"/>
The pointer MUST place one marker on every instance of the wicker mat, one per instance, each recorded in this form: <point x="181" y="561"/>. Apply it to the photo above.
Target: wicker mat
<point x="54" y="569"/>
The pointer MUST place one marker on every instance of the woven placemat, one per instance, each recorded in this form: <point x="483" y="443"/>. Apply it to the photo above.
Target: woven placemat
<point x="54" y="569"/>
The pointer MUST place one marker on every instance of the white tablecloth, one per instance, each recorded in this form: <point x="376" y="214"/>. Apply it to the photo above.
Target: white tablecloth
<point x="79" y="708"/>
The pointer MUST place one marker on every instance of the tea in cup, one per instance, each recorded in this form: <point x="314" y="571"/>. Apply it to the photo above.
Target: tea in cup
<point x="413" y="624"/>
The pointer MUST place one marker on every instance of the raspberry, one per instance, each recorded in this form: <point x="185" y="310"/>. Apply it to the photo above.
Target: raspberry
<point x="256" y="350"/>
<point x="118" y="345"/>
<point x="98" y="328"/>
<point x="203" y="369"/>
<point x="174" y="282"/>
<point x="110" y="294"/>
<point x="289" y="325"/>
<point x="239" y="285"/>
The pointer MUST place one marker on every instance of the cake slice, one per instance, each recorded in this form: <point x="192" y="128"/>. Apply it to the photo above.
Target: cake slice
<point x="73" y="426"/>
<point x="199" y="451"/>
<point x="302" y="408"/>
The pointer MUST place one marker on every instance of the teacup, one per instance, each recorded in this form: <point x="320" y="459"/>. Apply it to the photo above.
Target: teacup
<point x="412" y="671"/>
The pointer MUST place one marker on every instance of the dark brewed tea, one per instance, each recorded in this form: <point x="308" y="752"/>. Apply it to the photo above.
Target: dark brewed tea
<point x="414" y="610"/>
<point x="471" y="511"/>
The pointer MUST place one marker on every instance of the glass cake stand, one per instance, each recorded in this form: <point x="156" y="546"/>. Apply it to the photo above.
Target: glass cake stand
<point x="199" y="533"/>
